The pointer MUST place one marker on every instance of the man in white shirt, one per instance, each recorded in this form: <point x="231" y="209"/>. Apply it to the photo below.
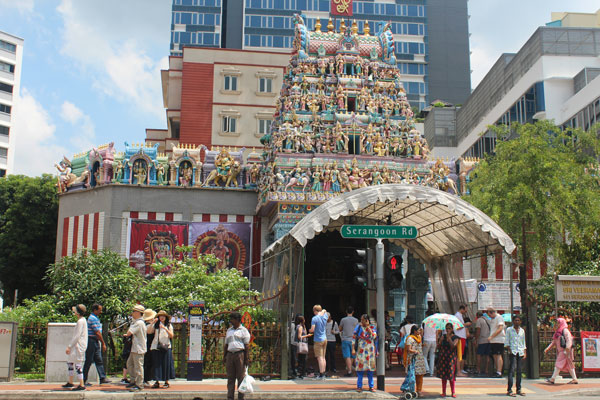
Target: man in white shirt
<point x="235" y="354"/>
<point x="429" y="345"/>
<point x="462" y="334"/>
<point x="497" y="338"/>
<point x="347" y="325"/>
<point x="135" y="362"/>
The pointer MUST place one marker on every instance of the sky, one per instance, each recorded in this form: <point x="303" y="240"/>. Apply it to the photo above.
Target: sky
<point x="91" y="68"/>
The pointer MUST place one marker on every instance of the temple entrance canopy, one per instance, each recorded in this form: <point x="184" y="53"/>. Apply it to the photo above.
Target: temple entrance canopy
<point x="449" y="229"/>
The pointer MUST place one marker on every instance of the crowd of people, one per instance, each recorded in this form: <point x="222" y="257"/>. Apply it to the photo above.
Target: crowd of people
<point x="147" y="349"/>
<point x="424" y="349"/>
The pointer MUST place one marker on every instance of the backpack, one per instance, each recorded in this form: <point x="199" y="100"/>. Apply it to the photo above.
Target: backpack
<point x="563" y="341"/>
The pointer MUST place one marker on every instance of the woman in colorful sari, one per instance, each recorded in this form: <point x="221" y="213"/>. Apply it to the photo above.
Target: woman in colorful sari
<point x="363" y="346"/>
<point x="564" y="355"/>
<point x="446" y="364"/>
<point x="415" y="362"/>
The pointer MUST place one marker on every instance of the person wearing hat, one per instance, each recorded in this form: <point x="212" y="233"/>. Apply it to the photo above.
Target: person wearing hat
<point x="148" y="318"/>
<point x="76" y="348"/>
<point x="135" y="362"/>
<point x="162" y="355"/>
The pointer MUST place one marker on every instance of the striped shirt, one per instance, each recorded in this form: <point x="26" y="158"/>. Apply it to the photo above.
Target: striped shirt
<point x="94" y="325"/>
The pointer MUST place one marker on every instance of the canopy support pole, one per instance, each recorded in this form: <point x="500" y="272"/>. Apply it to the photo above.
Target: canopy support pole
<point x="379" y="255"/>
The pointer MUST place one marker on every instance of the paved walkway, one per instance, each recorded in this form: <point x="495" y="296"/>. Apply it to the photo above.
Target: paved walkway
<point x="331" y="389"/>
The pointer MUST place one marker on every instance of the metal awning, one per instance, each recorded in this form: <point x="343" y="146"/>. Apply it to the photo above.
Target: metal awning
<point x="447" y="224"/>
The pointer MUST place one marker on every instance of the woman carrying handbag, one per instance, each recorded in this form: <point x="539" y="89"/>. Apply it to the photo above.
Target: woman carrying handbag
<point x="162" y="353"/>
<point x="302" y="335"/>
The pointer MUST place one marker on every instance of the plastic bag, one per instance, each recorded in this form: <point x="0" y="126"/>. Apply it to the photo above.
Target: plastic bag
<point x="246" y="385"/>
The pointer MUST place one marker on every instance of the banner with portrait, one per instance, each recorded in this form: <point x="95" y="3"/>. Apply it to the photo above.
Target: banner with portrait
<point x="151" y="242"/>
<point x="590" y="345"/>
<point x="228" y="241"/>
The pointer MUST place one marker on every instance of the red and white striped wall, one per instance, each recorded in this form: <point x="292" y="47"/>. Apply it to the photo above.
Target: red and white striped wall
<point x="223" y="218"/>
<point x="82" y="231"/>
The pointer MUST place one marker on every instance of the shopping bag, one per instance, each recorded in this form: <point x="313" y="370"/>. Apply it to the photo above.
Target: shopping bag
<point x="246" y="385"/>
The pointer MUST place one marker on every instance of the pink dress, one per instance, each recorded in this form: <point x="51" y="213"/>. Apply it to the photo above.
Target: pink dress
<point x="564" y="361"/>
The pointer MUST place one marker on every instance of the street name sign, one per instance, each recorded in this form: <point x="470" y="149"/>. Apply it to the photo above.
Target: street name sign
<point x="378" y="232"/>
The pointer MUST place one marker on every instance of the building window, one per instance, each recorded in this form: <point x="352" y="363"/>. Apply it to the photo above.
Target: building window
<point x="5" y="109"/>
<point x="265" y="85"/>
<point x="3" y="154"/>
<point x="4" y="87"/>
<point x="8" y="46"/>
<point x="4" y="130"/>
<point x="6" y="67"/>
<point x="230" y="83"/>
<point x="229" y="124"/>
<point x="2" y="173"/>
<point x="263" y="126"/>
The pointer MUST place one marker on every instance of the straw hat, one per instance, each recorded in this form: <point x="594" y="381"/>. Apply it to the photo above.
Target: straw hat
<point x="163" y="313"/>
<point x="138" y="307"/>
<point x="149" y="314"/>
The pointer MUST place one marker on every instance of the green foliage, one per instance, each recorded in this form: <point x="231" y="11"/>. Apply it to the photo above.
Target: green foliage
<point x="188" y="280"/>
<point x="439" y="104"/>
<point x="28" y="217"/>
<point x="95" y="277"/>
<point x="541" y="179"/>
<point x="40" y="309"/>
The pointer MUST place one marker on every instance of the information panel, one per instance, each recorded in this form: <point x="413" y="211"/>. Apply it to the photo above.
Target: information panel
<point x="195" y="356"/>
<point x="590" y="344"/>
<point x="497" y="295"/>
<point x="578" y="288"/>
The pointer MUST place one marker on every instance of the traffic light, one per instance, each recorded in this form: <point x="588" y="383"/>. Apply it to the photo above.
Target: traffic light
<point x="360" y="267"/>
<point x="394" y="271"/>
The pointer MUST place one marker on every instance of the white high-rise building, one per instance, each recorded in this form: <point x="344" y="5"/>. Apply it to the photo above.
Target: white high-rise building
<point x="11" y="57"/>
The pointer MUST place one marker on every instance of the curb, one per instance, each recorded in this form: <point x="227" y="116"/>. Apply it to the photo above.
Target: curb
<point x="100" y="395"/>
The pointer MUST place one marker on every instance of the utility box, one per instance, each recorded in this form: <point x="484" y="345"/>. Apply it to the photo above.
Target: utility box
<point x="59" y="336"/>
<point x="8" y="350"/>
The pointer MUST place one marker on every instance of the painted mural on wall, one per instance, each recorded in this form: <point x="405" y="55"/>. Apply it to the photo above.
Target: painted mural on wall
<point x="153" y="242"/>
<point x="229" y="242"/>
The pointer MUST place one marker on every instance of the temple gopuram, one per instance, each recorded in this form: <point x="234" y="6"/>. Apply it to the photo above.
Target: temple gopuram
<point x="342" y="122"/>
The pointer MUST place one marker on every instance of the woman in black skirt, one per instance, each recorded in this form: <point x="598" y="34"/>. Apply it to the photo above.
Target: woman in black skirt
<point x="162" y="352"/>
<point x="446" y="364"/>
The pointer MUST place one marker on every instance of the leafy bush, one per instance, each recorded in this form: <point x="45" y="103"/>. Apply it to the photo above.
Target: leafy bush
<point x="40" y="309"/>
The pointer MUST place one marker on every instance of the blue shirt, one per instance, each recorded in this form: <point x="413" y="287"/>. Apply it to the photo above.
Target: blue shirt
<point x="516" y="341"/>
<point x="320" y="323"/>
<point x="94" y="325"/>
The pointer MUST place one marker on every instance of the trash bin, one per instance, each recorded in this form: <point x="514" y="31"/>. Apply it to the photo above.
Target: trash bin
<point x="8" y="350"/>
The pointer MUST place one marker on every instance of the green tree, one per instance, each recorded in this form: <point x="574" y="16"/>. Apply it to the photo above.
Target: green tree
<point x="95" y="277"/>
<point x="542" y="189"/>
<point x="188" y="279"/>
<point x="28" y="217"/>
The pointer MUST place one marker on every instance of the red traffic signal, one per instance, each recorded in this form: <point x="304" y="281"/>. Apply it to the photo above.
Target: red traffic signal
<point x="394" y="262"/>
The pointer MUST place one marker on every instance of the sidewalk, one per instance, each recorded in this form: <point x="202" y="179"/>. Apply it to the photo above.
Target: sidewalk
<point x="331" y="389"/>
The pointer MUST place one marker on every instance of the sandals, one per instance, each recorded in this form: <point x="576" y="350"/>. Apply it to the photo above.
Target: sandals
<point x="156" y="385"/>
<point x="166" y="385"/>
<point x="511" y="394"/>
<point x="550" y="381"/>
<point x="520" y="393"/>
<point x="573" y="382"/>
<point x="359" y="390"/>
<point x="372" y="390"/>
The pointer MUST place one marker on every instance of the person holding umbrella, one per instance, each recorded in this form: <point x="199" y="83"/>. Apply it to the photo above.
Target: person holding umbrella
<point x="446" y="365"/>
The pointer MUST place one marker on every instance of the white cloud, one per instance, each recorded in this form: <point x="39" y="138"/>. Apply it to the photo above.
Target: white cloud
<point x="36" y="149"/>
<point x="73" y="115"/>
<point x="102" y="37"/>
<point x="23" y="6"/>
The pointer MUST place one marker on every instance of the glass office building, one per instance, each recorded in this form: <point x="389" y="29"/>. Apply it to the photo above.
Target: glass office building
<point x="267" y="25"/>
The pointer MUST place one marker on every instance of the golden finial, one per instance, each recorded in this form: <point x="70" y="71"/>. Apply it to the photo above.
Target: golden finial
<point x="354" y="27"/>
<point x="318" y="25"/>
<point x="343" y="27"/>
<point x="330" y="26"/>
<point x="367" y="29"/>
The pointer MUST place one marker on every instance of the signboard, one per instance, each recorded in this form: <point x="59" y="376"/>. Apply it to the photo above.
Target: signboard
<point x="497" y="295"/>
<point x="590" y="345"/>
<point x="578" y="288"/>
<point x="8" y="347"/>
<point x="378" y="232"/>
<point x="341" y="8"/>
<point x="196" y="319"/>
<point x="472" y="289"/>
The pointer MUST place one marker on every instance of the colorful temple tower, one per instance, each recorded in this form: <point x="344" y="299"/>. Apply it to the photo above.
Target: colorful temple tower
<point x="342" y="122"/>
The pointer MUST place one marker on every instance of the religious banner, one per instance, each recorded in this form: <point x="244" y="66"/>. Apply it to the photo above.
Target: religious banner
<point x="590" y="358"/>
<point x="151" y="242"/>
<point x="342" y="8"/>
<point x="228" y="241"/>
<point x="578" y="288"/>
